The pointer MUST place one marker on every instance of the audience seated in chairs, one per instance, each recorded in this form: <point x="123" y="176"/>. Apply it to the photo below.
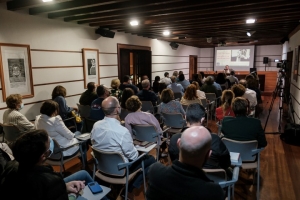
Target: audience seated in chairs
<point x="134" y="105"/>
<point x="127" y="93"/>
<point x="196" y="78"/>
<point x="241" y="127"/>
<point x="155" y="84"/>
<point x="190" y="96"/>
<point x="253" y="84"/>
<point x="219" y="157"/>
<point x="249" y="94"/>
<point x="185" y="179"/>
<point x="175" y="87"/>
<point x="169" y="105"/>
<point x="115" y="91"/>
<point x="89" y="95"/>
<point x="166" y="80"/>
<point x="238" y="90"/>
<point x="127" y="83"/>
<point x="13" y="116"/>
<point x="140" y="86"/>
<point x="200" y="93"/>
<point x="208" y="87"/>
<point x="28" y="178"/>
<point x="146" y="94"/>
<point x="185" y="83"/>
<point x="109" y="135"/>
<point x="225" y="109"/>
<point x="232" y="78"/>
<point x="50" y="121"/>
<point x="223" y="81"/>
<point x="96" y="110"/>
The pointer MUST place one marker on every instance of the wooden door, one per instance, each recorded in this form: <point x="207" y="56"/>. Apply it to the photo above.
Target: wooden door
<point x="145" y="64"/>
<point x="192" y="66"/>
<point x="124" y="63"/>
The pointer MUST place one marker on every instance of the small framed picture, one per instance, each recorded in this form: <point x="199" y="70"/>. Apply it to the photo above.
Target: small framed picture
<point x="90" y="58"/>
<point x="15" y="70"/>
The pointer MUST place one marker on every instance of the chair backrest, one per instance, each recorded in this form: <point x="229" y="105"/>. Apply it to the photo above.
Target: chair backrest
<point x="147" y="106"/>
<point x="108" y="162"/>
<point x="145" y="133"/>
<point x="89" y="124"/>
<point x="184" y="107"/>
<point x="219" y="93"/>
<point x="124" y="113"/>
<point x="211" y="96"/>
<point x="216" y="175"/>
<point x="204" y="103"/>
<point x="84" y="110"/>
<point x="243" y="147"/>
<point x="58" y="155"/>
<point x="174" y="120"/>
<point x="11" y="132"/>
<point x="177" y="95"/>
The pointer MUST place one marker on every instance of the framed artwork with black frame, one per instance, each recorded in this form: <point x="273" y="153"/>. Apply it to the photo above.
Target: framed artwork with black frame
<point x="90" y="59"/>
<point x="16" y="70"/>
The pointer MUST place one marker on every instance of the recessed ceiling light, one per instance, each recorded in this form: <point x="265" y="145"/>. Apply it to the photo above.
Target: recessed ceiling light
<point x="250" y="21"/>
<point x="249" y="33"/>
<point x="134" y="23"/>
<point x="166" y="33"/>
<point x="47" y="0"/>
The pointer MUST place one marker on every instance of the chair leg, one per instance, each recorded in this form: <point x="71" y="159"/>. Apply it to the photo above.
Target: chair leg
<point x="144" y="178"/>
<point x="258" y="182"/>
<point x="228" y="190"/>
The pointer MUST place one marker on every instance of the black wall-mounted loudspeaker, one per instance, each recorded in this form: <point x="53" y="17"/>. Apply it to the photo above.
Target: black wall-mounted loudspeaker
<point x="105" y="33"/>
<point x="266" y="60"/>
<point x="174" y="45"/>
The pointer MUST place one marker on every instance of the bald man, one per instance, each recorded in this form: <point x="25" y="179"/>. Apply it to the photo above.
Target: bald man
<point x="185" y="179"/>
<point x="109" y="135"/>
<point x="146" y="94"/>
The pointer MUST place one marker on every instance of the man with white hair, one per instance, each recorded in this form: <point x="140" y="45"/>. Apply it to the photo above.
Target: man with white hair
<point x="185" y="179"/>
<point x="146" y="94"/>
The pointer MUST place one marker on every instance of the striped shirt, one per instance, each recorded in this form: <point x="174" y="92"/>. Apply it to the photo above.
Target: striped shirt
<point x="12" y="116"/>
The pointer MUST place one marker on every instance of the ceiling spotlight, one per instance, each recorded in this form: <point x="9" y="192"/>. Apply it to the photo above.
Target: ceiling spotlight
<point x="249" y="33"/>
<point x="250" y="21"/>
<point x="134" y="23"/>
<point x="47" y="0"/>
<point x="166" y="33"/>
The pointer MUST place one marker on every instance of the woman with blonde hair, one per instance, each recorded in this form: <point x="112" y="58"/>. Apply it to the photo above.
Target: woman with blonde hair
<point x="190" y="96"/>
<point x="225" y="108"/>
<point x="200" y="93"/>
<point x="115" y="91"/>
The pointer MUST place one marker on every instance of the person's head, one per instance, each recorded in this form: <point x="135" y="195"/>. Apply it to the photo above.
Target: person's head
<point x="161" y="87"/>
<point x="59" y="91"/>
<point x="126" y="79"/>
<point x="175" y="73"/>
<point x="232" y="72"/>
<point x="49" y="108"/>
<point x="240" y="106"/>
<point x="166" y="74"/>
<point x="251" y="82"/>
<point x="181" y="77"/>
<point x="195" y="114"/>
<point x="202" y="74"/>
<point x="196" y="84"/>
<point x="195" y="77"/>
<point x="133" y="104"/>
<point x="226" y="99"/>
<point x="91" y="86"/>
<point x="127" y="92"/>
<point x="14" y="101"/>
<point x="32" y="148"/>
<point x="180" y="72"/>
<point x="238" y="90"/>
<point x="145" y="77"/>
<point x="157" y="79"/>
<point x="221" y="78"/>
<point x="194" y="146"/>
<point x="16" y="70"/>
<point x="243" y="82"/>
<point x="102" y="91"/>
<point x="190" y="93"/>
<point x="226" y="67"/>
<point x="111" y="107"/>
<point x="167" y="95"/>
<point x="146" y="84"/>
<point x="209" y="80"/>
<point x="173" y="79"/>
<point x="115" y="83"/>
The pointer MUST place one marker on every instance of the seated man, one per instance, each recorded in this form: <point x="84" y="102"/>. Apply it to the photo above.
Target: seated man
<point x="89" y="95"/>
<point x="96" y="110"/>
<point x="241" y="127"/>
<point x="109" y="135"/>
<point x="166" y="79"/>
<point x="146" y="94"/>
<point x="209" y="87"/>
<point x="249" y="94"/>
<point x="232" y="78"/>
<point x="185" y="179"/>
<point x="127" y="83"/>
<point x="139" y="85"/>
<point x="28" y="178"/>
<point x="219" y="157"/>
<point x="175" y="87"/>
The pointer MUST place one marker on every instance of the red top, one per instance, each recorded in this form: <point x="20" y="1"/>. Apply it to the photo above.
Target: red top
<point x="220" y="115"/>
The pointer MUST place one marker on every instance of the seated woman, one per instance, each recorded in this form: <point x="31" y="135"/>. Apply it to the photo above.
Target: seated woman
<point x="115" y="91"/>
<point x="13" y="116"/>
<point x="197" y="79"/>
<point x="127" y="93"/>
<point x="156" y="84"/>
<point x="169" y="105"/>
<point x="200" y="93"/>
<point x="223" y="81"/>
<point x="225" y="108"/>
<point x="134" y="105"/>
<point x="190" y="96"/>
<point x="50" y="121"/>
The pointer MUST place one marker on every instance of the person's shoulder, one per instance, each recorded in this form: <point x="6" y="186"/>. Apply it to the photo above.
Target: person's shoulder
<point x="228" y="118"/>
<point x="157" y="168"/>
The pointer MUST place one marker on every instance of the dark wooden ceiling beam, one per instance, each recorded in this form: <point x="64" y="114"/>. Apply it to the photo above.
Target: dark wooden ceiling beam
<point x="24" y="4"/>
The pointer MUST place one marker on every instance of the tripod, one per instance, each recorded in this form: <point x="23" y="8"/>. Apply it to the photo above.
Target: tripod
<point x="278" y="91"/>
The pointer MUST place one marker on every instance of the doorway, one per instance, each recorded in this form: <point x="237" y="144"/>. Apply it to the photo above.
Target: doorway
<point x="192" y="66"/>
<point x="135" y="61"/>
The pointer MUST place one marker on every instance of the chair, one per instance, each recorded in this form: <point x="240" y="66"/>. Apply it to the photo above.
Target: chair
<point x="112" y="168"/>
<point x="89" y="124"/>
<point x="10" y="132"/>
<point x="147" y="133"/>
<point x="174" y="122"/>
<point x="71" y="124"/>
<point x="219" y="176"/>
<point x="84" y="112"/>
<point x="147" y="106"/>
<point x="177" y="96"/>
<point x="57" y="157"/>
<point x="249" y="153"/>
<point x="212" y="98"/>
<point x="124" y="113"/>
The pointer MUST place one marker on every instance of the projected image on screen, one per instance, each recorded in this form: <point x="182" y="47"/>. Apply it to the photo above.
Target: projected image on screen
<point x="238" y="58"/>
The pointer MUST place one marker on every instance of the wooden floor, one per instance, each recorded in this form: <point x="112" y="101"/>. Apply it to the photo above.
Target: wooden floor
<point x="280" y="163"/>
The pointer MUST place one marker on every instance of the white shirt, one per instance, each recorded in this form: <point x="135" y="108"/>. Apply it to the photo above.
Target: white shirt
<point x="109" y="135"/>
<point x="176" y="88"/>
<point x="166" y="80"/>
<point x="251" y="96"/>
<point x="201" y="94"/>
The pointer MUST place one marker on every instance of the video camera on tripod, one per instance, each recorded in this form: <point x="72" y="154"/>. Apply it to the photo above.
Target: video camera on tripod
<point x="281" y="64"/>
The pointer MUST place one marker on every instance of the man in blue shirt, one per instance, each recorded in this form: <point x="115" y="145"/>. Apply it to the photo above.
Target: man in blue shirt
<point x="96" y="110"/>
<point x="175" y="87"/>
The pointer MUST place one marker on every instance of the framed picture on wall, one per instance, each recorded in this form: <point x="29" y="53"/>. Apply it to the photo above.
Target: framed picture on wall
<point x="15" y="70"/>
<point x="296" y="64"/>
<point x="90" y="58"/>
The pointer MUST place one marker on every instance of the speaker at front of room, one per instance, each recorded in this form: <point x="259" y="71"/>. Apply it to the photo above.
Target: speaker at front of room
<point x="266" y="60"/>
<point x="105" y="33"/>
<point x="174" y="45"/>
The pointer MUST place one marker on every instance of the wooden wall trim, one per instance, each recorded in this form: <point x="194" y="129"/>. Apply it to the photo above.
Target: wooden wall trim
<point x="206" y="57"/>
<point x="295" y="86"/>
<point x="61" y="51"/>
<point x="108" y="77"/>
<point x="57" y="82"/>
<point x="267" y="55"/>
<point x="205" y="62"/>
<point x="49" y="67"/>
<point x="107" y="53"/>
<point x="108" y="65"/>
<point x="168" y="70"/>
<point x="170" y="56"/>
<point x="133" y="47"/>
<point x="168" y="63"/>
